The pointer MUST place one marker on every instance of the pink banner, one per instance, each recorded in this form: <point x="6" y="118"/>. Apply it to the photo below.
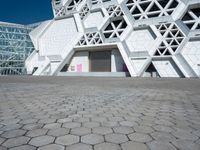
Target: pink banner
<point x="79" y="68"/>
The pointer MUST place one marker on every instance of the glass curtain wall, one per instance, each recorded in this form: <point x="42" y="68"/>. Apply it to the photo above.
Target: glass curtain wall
<point x="15" y="47"/>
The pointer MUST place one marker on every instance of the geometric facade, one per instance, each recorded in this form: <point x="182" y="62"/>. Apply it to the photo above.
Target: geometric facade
<point x="15" y="47"/>
<point x="142" y="38"/>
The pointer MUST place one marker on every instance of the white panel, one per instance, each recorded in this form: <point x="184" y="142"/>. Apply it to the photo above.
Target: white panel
<point x="138" y="64"/>
<point x="165" y="68"/>
<point x="80" y="58"/>
<point x="140" y="40"/>
<point x="191" y="52"/>
<point x="60" y="34"/>
<point x="117" y="64"/>
<point x="93" y="20"/>
<point x="37" y="32"/>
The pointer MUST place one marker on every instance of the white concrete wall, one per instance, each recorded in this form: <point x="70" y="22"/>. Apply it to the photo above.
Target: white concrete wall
<point x="165" y="68"/>
<point x="191" y="52"/>
<point x="140" y="40"/>
<point x="94" y="19"/>
<point x="117" y="62"/>
<point x="57" y="36"/>
<point x="79" y="60"/>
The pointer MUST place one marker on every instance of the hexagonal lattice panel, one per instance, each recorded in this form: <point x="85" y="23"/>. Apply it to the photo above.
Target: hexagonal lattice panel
<point x="59" y="12"/>
<point x="98" y="1"/>
<point x="73" y="4"/>
<point x="192" y="18"/>
<point x="173" y="38"/>
<point x="90" y="39"/>
<point x="84" y="11"/>
<point x="141" y="9"/>
<point x="56" y="2"/>
<point x="114" y="11"/>
<point x="115" y="28"/>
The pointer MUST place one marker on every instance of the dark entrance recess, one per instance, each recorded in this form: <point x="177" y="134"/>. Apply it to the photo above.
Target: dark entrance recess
<point x="152" y="71"/>
<point x="100" y="61"/>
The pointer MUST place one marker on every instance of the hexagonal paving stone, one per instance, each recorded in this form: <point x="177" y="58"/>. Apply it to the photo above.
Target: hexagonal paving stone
<point x="81" y="120"/>
<point x="92" y="139"/>
<point x="71" y="125"/>
<point x="196" y="132"/>
<point x="107" y="146"/>
<point x="80" y="131"/>
<point x="58" y="132"/>
<point x="123" y="130"/>
<point x="143" y="129"/>
<point x="18" y="141"/>
<point x="52" y="147"/>
<point x="158" y="145"/>
<point x="186" y="145"/>
<point x="1" y="126"/>
<point x="52" y="126"/>
<point x="99" y="119"/>
<point x="91" y="124"/>
<point x="184" y="135"/>
<point x="64" y="120"/>
<point x="67" y="140"/>
<point x="33" y="126"/>
<point x="47" y="120"/>
<point x="79" y="146"/>
<point x="110" y="124"/>
<point x="102" y="130"/>
<point x="116" y="138"/>
<point x="41" y="140"/>
<point x="24" y="147"/>
<point x="2" y="140"/>
<point x="162" y="128"/>
<point x="133" y="146"/>
<point x="13" y="133"/>
<point x="37" y="132"/>
<point x="1" y="132"/>
<point x="10" y="121"/>
<point x="128" y="123"/>
<point x="140" y="137"/>
<point x="11" y="127"/>
<point x="3" y="148"/>
<point x="28" y="121"/>
<point x="164" y="122"/>
<point x="161" y="136"/>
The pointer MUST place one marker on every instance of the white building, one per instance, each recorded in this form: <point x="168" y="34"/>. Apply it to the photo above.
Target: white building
<point x="142" y="38"/>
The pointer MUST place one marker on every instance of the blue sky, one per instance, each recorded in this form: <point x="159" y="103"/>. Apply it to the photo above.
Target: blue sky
<point x="25" y="11"/>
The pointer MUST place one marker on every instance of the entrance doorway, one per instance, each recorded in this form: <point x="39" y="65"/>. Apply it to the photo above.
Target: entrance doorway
<point x="100" y="61"/>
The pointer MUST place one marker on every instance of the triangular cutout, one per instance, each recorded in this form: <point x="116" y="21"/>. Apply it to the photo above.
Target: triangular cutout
<point x="109" y="27"/>
<point x="151" y="71"/>
<point x="136" y="11"/>
<point x="154" y="8"/>
<point x="138" y="63"/>
<point x="157" y="53"/>
<point x="163" y="3"/>
<point x="190" y="25"/>
<point x="187" y="17"/>
<point x="198" y="26"/>
<point x="144" y="5"/>
<point x="174" y="4"/>
<point x="167" y="53"/>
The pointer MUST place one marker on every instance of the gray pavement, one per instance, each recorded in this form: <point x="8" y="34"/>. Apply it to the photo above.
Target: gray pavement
<point x="66" y="113"/>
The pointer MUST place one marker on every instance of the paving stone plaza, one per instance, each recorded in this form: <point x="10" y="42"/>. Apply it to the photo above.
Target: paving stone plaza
<point x="64" y="113"/>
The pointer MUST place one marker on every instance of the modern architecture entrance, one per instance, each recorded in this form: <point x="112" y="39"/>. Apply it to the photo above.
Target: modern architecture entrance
<point x="100" y="61"/>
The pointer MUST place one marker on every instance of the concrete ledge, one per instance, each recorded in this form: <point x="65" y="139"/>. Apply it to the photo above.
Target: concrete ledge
<point x="94" y="74"/>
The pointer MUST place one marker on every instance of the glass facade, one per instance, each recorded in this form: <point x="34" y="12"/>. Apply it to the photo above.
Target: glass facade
<point x="15" y="47"/>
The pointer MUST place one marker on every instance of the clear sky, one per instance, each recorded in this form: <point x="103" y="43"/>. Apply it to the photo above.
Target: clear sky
<point x="25" y="11"/>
